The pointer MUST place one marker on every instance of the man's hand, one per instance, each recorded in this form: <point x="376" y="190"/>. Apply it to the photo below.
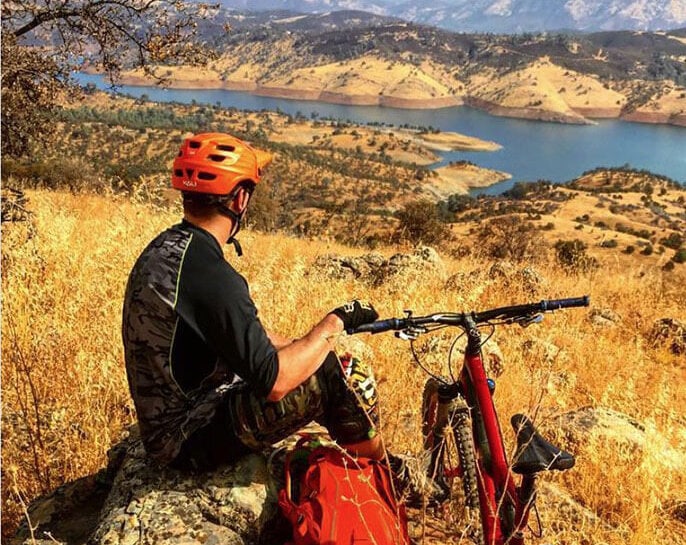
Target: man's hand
<point x="355" y="313"/>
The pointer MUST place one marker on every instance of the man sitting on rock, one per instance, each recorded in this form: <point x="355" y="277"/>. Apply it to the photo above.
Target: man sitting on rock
<point x="208" y="382"/>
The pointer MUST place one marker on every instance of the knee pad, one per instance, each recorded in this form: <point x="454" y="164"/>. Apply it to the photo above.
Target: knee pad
<point x="351" y="411"/>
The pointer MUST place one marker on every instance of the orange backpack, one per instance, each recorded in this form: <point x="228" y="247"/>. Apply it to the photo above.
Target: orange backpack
<point x="343" y="501"/>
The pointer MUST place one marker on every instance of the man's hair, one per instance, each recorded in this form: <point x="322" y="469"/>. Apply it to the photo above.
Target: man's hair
<point x="204" y="205"/>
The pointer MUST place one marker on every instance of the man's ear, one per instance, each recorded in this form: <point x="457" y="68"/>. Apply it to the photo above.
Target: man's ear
<point x="240" y="201"/>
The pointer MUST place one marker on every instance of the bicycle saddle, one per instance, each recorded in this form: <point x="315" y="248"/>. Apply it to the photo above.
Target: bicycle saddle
<point x="534" y="453"/>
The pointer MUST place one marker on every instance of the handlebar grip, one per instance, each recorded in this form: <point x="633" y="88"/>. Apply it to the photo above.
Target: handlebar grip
<point x="556" y="304"/>
<point x="377" y="327"/>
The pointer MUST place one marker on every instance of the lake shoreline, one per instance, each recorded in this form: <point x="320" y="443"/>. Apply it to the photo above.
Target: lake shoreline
<point x="585" y="116"/>
<point x="526" y="149"/>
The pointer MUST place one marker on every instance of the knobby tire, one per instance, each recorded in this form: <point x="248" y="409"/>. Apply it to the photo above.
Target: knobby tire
<point x="457" y="442"/>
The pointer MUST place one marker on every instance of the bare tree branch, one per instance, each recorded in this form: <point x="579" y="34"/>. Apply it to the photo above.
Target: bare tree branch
<point x="50" y="38"/>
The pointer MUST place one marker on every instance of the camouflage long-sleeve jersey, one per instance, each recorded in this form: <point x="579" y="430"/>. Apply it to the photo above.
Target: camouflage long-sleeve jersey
<point x="190" y="330"/>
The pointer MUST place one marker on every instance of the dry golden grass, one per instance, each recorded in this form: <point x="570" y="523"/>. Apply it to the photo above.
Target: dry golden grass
<point x="65" y="399"/>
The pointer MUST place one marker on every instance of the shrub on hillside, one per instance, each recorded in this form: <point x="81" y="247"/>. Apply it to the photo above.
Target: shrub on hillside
<point x="510" y="238"/>
<point x="572" y="255"/>
<point x="457" y="203"/>
<point x="610" y="243"/>
<point x="673" y="241"/>
<point x="419" y="222"/>
<point x="679" y="256"/>
<point x="69" y="173"/>
<point x="266" y="213"/>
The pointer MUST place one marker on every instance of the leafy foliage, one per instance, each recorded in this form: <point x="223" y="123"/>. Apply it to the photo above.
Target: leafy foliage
<point x="680" y="256"/>
<point x="420" y="223"/>
<point x="30" y="85"/>
<point x="572" y="255"/>
<point x="110" y="33"/>
<point x="511" y="238"/>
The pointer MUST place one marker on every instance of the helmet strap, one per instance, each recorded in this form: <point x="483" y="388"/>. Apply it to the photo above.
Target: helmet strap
<point x="225" y="210"/>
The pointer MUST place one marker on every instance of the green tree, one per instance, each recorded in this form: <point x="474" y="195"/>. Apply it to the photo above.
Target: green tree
<point x="679" y="256"/>
<point x="509" y="237"/>
<point x="419" y="222"/>
<point x="572" y="255"/>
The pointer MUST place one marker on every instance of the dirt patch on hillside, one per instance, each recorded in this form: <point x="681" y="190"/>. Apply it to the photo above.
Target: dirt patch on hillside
<point x="460" y="178"/>
<point x="447" y="141"/>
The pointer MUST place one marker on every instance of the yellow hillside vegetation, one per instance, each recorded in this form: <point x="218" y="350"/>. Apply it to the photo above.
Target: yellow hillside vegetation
<point x="65" y="398"/>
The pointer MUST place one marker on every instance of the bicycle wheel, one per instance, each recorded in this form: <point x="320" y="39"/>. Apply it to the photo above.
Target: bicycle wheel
<point x="447" y="433"/>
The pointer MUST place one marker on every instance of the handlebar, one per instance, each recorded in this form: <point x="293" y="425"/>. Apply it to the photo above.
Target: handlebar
<point x="507" y="314"/>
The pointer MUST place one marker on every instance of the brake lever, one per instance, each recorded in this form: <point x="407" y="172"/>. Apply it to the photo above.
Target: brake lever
<point x="411" y="333"/>
<point x="526" y="321"/>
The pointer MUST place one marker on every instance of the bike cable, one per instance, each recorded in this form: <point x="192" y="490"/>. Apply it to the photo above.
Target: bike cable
<point x="450" y="355"/>
<point x="422" y="367"/>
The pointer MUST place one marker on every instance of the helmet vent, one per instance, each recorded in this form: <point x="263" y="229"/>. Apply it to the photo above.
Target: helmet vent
<point x="225" y="147"/>
<point x="189" y="172"/>
<point x="217" y="158"/>
<point x="194" y="144"/>
<point x="178" y="172"/>
<point x="206" y="176"/>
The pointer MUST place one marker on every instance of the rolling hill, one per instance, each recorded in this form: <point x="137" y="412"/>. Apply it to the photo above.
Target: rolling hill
<point x="357" y="58"/>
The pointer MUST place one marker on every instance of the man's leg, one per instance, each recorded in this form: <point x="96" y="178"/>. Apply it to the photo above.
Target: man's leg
<point x="370" y="448"/>
<point x="341" y="395"/>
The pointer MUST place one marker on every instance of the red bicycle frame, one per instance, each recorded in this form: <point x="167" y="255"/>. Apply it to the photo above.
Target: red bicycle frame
<point x="504" y="505"/>
<point x="497" y="489"/>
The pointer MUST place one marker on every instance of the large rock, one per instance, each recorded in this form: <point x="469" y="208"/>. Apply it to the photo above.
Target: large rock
<point x="423" y="259"/>
<point x="135" y="502"/>
<point x="591" y="425"/>
<point x="604" y="317"/>
<point x="528" y="279"/>
<point x="669" y="333"/>
<point x="375" y="269"/>
<point x="364" y="267"/>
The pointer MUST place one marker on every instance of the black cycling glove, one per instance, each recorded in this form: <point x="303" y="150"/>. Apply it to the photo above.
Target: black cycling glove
<point x="355" y="313"/>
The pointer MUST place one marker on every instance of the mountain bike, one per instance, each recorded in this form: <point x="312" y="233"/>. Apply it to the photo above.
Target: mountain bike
<point x="461" y="432"/>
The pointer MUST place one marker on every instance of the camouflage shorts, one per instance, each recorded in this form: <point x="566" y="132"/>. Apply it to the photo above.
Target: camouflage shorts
<point x="341" y="396"/>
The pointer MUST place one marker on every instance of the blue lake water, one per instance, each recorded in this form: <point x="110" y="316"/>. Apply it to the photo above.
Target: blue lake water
<point x="532" y="150"/>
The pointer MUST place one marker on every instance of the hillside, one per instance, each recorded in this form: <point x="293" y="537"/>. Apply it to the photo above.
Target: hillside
<point x="327" y="171"/>
<point x="637" y="76"/>
<point x="65" y="400"/>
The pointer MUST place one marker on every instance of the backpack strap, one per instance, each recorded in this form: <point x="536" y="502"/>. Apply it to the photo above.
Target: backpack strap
<point x="301" y="451"/>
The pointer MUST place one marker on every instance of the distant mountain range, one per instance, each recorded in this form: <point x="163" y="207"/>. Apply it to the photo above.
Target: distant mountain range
<point x="502" y="16"/>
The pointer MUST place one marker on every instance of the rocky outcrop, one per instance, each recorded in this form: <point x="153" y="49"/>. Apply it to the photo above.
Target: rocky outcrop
<point x="604" y="317"/>
<point x="528" y="279"/>
<point x="669" y="333"/>
<point x="669" y="118"/>
<point x="596" y="426"/>
<point x="375" y="269"/>
<point x="135" y="501"/>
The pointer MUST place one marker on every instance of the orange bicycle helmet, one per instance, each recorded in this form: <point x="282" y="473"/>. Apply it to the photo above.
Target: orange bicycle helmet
<point x="215" y="163"/>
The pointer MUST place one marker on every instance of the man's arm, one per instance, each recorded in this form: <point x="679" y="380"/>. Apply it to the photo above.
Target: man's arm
<point x="278" y="340"/>
<point x="300" y="359"/>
